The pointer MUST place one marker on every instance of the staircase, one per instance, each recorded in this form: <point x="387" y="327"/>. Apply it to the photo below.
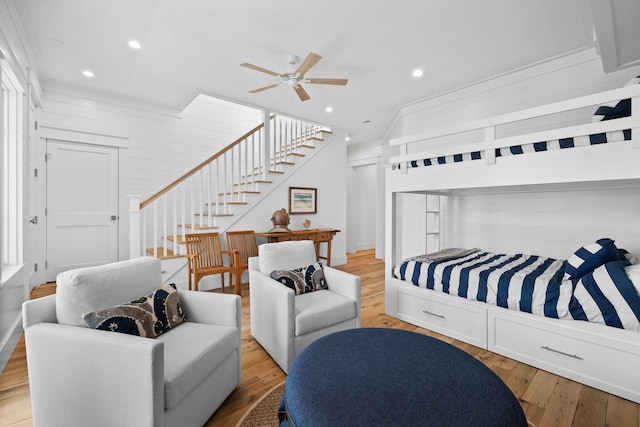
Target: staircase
<point x="216" y="193"/>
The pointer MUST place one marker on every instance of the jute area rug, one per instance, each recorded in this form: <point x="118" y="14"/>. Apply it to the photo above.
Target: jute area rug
<point x="264" y="413"/>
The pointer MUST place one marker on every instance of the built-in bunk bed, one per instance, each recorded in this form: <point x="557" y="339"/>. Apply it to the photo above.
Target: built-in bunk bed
<point x="520" y="304"/>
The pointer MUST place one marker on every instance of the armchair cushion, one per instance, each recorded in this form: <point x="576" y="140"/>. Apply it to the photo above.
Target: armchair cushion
<point x="302" y="280"/>
<point x="148" y="316"/>
<point x="83" y="290"/>
<point x="318" y="310"/>
<point x="285" y="255"/>
<point x="191" y="353"/>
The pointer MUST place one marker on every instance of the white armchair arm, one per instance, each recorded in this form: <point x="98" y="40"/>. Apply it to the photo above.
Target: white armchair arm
<point x="272" y="304"/>
<point x="56" y="353"/>
<point x="39" y="310"/>
<point x="212" y="308"/>
<point x="345" y="284"/>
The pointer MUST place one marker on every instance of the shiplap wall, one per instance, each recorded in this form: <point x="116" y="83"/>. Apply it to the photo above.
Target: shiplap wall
<point x="156" y="145"/>
<point x="552" y="223"/>
<point x="161" y="144"/>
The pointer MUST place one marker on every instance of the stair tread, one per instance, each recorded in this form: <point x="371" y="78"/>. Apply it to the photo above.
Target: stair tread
<point x="308" y="146"/>
<point x="212" y="215"/>
<point x="170" y="253"/>
<point x="226" y="203"/>
<point x="198" y="226"/>
<point x="178" y="239"/>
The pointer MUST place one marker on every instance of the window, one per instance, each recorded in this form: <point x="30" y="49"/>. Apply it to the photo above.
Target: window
<point x="11" y="154"/>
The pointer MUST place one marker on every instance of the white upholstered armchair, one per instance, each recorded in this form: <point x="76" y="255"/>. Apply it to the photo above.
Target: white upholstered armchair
<point x="80" y="376"/>
<point x="285" y="323"/>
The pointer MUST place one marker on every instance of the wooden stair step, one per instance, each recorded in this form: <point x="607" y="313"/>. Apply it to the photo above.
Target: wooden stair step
<point x="316" y="138"/>
<point x="226" y="203"/>
<point x="241" y="191"/>
<point x="272" y="171"/>
<point x="178" y="239"/>
<point x="285" y="163"/>
<point x="297" y="154"/>
<point x="212" y="215"/>
<point x="170" y="253"/>
<point x="308" y="146"/>
<point x="198" y="226"/>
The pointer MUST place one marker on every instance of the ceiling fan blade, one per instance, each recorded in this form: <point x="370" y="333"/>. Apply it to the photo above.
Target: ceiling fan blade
<point x="262" y="70"/>
<point x="340" y="82"/>
<point x="264" y="88"/>
<point x="302" y="94"/>
<point x="311" y="60"/>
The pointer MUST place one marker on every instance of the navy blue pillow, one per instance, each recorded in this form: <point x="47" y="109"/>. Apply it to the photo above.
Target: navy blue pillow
<point x="615" y="109"/>
<point x="589" y="257"/>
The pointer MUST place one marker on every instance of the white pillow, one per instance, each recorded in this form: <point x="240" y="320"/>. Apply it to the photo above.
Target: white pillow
<point x="286" y="255"/>
<point x="633" y="273"/>
<point x="633" y="258"/>
<point x="89" y="289"/>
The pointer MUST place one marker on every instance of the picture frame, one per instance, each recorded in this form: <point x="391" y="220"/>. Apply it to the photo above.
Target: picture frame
<point x="303" y="200"/>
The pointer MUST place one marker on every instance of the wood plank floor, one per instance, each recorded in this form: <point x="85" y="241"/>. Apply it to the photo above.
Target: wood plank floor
<point x="547" y="399"/>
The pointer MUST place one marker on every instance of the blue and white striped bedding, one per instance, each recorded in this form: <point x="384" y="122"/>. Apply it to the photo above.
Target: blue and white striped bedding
<point x="527" y="283"/>
<point x="536" y="147"/>
<point x="533" y="284"/>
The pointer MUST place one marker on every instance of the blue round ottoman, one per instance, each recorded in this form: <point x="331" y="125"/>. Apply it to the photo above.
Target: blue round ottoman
<point x="379" y="376"/>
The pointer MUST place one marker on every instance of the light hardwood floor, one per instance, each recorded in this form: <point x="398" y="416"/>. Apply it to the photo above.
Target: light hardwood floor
<point x="548" y="400"/>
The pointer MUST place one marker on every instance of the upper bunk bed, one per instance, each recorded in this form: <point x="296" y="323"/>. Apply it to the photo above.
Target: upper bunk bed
<point x="602" y="150"/>
<point x="588" y="153"/>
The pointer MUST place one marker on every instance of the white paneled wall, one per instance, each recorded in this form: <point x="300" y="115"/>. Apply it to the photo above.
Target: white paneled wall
<point x="162" y="144"/>
<point x="550" y="223"/>
<point x="156" y="145"/>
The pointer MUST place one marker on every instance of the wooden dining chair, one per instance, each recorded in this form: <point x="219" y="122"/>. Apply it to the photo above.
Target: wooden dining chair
<point x="245" y="243"/>
<point x="206" y="257"/>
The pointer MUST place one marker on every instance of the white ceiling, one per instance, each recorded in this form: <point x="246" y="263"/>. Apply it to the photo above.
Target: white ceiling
<point x="196" y="46"/>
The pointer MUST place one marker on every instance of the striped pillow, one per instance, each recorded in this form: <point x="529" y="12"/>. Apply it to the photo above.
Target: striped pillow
<point x="589" y="257"/>
<point x="607" y="296"/>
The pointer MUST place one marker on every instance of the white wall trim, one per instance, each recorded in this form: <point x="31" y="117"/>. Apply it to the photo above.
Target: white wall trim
<point x="47" y="131"/>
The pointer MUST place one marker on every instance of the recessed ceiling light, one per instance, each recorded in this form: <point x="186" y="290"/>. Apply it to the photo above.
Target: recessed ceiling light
<point x="87" y="73"/>
<point x="134" y="44"/>
<point x="328" y="109"/>
<point x="347" y="138"/>
<point x="417" y="72"/>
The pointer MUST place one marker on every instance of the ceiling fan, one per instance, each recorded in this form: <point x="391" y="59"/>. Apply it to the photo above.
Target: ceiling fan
<point x="297" y="77"/>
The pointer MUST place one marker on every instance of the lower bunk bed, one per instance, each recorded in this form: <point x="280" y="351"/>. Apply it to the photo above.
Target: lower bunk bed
<point x="577" y="319"/>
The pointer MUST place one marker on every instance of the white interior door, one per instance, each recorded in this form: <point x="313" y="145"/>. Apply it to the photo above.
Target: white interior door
<point x="82" y="206"/>
<point x="361" y="207"/>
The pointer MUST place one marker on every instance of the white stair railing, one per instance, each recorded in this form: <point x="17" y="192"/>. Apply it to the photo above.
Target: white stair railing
<point x="212" y="189"/>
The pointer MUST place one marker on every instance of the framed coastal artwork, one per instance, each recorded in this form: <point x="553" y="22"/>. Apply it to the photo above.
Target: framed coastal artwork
<point x="303" y="200"/>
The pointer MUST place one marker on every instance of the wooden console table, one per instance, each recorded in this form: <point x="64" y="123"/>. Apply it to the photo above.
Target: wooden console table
<point x="318" y="235"/>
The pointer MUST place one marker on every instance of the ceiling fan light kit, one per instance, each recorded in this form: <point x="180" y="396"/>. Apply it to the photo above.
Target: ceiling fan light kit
<point x="296" y="78"/>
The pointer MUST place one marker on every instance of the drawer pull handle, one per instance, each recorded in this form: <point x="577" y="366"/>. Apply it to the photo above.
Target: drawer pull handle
<point x="433" y="314"/>
<point x="574" y="356"/>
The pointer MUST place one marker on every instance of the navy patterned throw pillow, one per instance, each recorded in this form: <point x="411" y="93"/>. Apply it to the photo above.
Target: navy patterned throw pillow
<point x="302" y="280"/>
<point x="148" y="316"/>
